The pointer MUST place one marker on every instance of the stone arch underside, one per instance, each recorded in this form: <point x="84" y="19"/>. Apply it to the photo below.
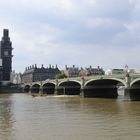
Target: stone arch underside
<point x="134" y="91"/>
<point x="27" y="88"/>
<point x="69" y="88"/>
<point x="35" y="88"/>
<point x="104" y="88"/>
<point x="135" y="83"/>
<point x="48" y="88"/>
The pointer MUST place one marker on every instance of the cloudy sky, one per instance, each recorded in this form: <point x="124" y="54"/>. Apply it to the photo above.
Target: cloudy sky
<point x="67" y="32"/>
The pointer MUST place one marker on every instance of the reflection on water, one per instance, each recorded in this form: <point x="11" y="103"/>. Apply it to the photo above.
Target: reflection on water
<point x="6" y="120"/>
<point x="23" y="117"/>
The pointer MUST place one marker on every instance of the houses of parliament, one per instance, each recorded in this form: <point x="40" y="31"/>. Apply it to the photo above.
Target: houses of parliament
<point x="5" y="56"/>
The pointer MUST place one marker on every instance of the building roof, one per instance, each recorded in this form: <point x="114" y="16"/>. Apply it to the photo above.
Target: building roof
<point x="41" y="70"/>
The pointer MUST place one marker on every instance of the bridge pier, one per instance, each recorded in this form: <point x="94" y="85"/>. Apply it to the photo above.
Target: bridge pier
<point x="82" y="92"/>
<point x="127" y="88"/>
<point x="30" y="90"/>
<point x="127" y="93"/>
<point x="132" y="94"/>
<point x="41" y="90"/>
<point x="56" y="90"/>
<point x="56" y="87"/>
<point x="82" y="87"/>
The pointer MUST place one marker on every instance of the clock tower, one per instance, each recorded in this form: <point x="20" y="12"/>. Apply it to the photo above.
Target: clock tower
<point x="6" y="55"/>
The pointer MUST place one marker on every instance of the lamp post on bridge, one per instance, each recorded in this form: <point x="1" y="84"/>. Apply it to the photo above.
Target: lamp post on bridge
<point x="127" y="77"/>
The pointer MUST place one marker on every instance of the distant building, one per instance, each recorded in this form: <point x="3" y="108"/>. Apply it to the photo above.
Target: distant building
<point x="33" y="73"/>
<point x="115" y="71"/>
<point x="82" y="72"/>
<point x="136" y="71"/>
<point x="91" y="71"/>
<point x="15" y="77"/>
<point x="5" y="56"/>
<point x="94" y="71"/>
<point x="71" y="71"/>
<point x="75" y="71"/>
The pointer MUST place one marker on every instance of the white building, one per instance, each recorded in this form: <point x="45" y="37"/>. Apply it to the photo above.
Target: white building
<point x="121" y="71"/>
<point x="15" y="77"/>
<point x="114" y="71"/>
<point x="137" y="71"/>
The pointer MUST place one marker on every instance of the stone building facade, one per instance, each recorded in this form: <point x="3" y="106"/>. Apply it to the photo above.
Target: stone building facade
<point x="94" y="71"/>
<point x="71" y="71"/>
<point x="75" y="71"/>
<point x="33" y="73"/>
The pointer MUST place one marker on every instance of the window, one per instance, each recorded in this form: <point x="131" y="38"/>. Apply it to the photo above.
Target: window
<point x="5" y="53"/>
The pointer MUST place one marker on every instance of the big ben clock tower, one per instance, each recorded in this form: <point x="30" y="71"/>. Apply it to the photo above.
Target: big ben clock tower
<point x="6" y="55"/>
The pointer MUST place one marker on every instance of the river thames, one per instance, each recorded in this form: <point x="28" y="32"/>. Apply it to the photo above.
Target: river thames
<point x="23" y="117"/>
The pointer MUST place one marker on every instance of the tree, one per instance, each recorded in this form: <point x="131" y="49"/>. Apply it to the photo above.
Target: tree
<point x="61" y="76"/>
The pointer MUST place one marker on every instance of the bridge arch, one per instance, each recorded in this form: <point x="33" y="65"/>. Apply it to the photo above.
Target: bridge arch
<point x="113" y="79"/>
<point x="75" y="81"/>
<point x="26" y="88"/>
<point x="135" y="83"/>
<point x="69" y="87"/>
<point x="35" y="88"/>
<point x="106" y="88"/>
<point x="48" y="88"/>
<point x="134" y="91"/>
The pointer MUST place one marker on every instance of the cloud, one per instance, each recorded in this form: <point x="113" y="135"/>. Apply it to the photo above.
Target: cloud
<point x="91" y="32"/>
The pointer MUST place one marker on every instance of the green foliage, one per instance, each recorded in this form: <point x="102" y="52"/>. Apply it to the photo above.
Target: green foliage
<point x="60" y="76"/>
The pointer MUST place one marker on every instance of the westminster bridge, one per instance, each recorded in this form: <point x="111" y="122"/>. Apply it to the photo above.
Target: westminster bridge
<point x="89" y="86"/>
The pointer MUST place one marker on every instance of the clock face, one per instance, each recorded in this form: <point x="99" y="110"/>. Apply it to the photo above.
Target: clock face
<point x="6" y="53"/>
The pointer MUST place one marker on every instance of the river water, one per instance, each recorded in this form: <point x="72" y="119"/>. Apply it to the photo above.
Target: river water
<point x="23" y="117"/>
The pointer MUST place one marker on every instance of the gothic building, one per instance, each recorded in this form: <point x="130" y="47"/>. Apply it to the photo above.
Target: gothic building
<point x="5" y="56"/>
<point x="33" y="73"/>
